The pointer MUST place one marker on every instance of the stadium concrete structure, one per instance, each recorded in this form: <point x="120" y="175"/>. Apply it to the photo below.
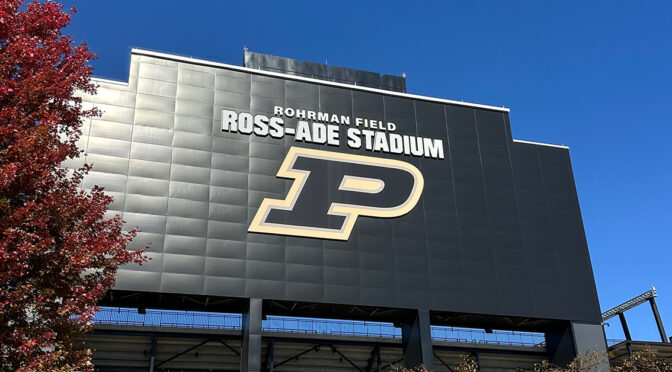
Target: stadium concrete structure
<point x="296" y="189"/>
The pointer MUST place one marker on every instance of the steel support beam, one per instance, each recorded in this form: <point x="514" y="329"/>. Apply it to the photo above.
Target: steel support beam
<point x="182" y="353"/>
<point x="629" y="304"/>
<point x="334" y="350"/>
<point x="443" y="362"/>
<point x="152" y="354"/>
<point x="626" y="332"/>
<point x="374" y="358"/>
<point x="416" y="340"/>
<point x="659" y="322"/>
<point x="250" y="355"/>
<point x="624" y="324"/>
<point x="316" y="347"/>
<point x="270" y="356"/>
<point x="229" y="347"/>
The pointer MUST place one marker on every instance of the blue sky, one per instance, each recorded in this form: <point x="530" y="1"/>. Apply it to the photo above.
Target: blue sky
<point x="595" y="76"/>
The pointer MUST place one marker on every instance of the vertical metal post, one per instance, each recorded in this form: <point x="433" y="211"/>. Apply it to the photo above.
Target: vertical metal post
<point x="271" y="356"/>
<point x="560" y="345"/>
<point x="624" y="324"/>
<point x="250" y="354"/>
<point x="626" y="331"/>
<point x="659" y="322"/>
<point x="152" y="354"/>
<point x="416" y="341"/>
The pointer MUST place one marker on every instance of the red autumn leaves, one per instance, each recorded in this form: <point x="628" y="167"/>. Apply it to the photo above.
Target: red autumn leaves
<point x="58" y="254"/>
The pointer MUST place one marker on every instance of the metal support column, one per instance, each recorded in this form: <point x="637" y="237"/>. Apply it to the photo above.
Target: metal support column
<point x="250" y="355"/>
<point x="659" y="322"/>
<point x="560" y="345"/>
<point x="270" y="356"/>
<point x="575" y="338"/>
<point x="416" y="340"/>
<point x="152" y="354"/>
<point x="626" y="332"/>
<point x="374" y="357"/>
<point x="624" y="324"/>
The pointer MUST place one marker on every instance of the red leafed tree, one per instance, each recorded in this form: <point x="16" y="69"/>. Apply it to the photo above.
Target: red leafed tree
<point x="58" y="254"/>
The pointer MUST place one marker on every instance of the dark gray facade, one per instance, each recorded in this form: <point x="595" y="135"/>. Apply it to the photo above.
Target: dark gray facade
<point x="497" y="233"/>
<point x="323" y="72"/>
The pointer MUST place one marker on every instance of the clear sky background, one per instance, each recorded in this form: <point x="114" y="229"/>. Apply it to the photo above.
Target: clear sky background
<point x="595" y="76"/>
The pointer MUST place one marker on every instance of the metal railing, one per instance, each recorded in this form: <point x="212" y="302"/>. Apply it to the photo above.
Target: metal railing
<point x="330" y="327"/>
<point x="190" y="319"/>
<point x="614" y="341"/>
<point x="167" y="318"/>
<point x="478" y="336"/>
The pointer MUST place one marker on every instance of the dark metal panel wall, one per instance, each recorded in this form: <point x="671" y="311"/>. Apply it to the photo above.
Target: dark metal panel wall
<point x="553" y="236"/>
<point x="322" y="71"/>
<point x="497" y="230"/>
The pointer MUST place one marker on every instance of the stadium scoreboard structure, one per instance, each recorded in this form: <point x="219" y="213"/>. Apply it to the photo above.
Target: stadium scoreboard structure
<point x="292" y="188"/>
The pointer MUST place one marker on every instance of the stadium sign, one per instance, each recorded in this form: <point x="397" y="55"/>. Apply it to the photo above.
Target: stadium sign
<point x="328" y="199"/>
<point x="283" y="217"/>
<point x="372" y="135"/>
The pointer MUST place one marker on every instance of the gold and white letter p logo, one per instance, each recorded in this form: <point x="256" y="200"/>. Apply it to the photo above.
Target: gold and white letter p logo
<point x="331" y="190"/>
